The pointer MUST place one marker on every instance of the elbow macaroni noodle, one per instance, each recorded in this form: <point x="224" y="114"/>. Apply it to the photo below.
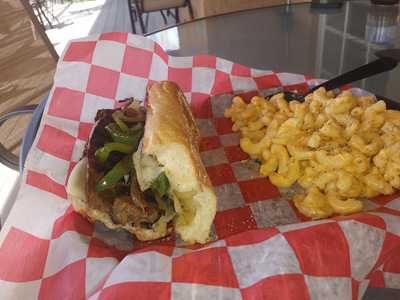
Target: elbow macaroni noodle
<point x="339" y="149"/>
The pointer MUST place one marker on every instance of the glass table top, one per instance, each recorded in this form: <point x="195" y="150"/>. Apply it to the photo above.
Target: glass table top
<point x="297" y="38"/>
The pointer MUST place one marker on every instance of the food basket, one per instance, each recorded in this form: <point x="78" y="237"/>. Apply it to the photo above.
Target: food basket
<point x="261" y="247"/>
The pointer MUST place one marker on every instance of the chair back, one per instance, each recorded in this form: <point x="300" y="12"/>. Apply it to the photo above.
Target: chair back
<point x="27" y="65"/>
<point x="154" y="5"/>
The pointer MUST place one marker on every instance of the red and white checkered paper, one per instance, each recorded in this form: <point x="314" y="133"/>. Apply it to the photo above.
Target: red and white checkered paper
<point x="47" y="251"/>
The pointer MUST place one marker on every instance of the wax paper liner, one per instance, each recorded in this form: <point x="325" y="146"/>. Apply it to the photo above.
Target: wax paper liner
<point x="263" y="248"/>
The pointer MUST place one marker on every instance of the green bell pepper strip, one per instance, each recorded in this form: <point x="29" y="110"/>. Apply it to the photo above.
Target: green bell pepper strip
<point x="122" y="168"/>
<point x="103" y="153"/>
<point x="121" y="137"/>
<point x="119" y="122"/>
<point x="161" y="184"/>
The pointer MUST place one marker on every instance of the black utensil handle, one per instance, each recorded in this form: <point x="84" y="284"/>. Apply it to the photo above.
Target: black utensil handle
<point x="378" y="66"/>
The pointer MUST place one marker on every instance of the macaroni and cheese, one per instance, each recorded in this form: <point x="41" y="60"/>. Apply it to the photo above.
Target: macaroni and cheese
<point x="339" y="149"/>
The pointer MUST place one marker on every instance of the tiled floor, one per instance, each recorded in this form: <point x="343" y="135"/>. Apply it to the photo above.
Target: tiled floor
<point x="80" y="19"/>
<point x="75" y="21"/>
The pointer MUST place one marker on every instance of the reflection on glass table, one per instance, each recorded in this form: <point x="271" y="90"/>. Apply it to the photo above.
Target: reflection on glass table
<point x="297" y="39"/>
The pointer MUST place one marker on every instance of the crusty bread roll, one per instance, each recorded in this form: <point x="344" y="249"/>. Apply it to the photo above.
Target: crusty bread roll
<point x="172" y="137"/>
<point x="170" y="144"/>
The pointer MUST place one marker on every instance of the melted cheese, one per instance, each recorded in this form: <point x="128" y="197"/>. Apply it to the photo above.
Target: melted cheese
<point x="147" y="169"/>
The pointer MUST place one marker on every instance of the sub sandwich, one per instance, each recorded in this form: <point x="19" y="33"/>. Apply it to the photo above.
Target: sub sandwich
<point x="141" y="170"/>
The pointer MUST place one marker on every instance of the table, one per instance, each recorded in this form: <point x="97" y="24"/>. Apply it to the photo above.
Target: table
<point x="296" y="39"/>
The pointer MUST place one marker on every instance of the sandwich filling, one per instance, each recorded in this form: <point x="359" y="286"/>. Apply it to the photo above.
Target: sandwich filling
<point x="132" y="188"/>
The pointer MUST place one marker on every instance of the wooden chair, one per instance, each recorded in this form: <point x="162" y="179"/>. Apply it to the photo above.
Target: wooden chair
<point x="28" y="61"/>
<point x="147" y="6"/>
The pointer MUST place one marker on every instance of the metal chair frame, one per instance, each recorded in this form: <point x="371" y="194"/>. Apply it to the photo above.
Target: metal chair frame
<point x="138" y="4"/>
<point x="6" y="157"/>
<point x="40" y="8"/>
